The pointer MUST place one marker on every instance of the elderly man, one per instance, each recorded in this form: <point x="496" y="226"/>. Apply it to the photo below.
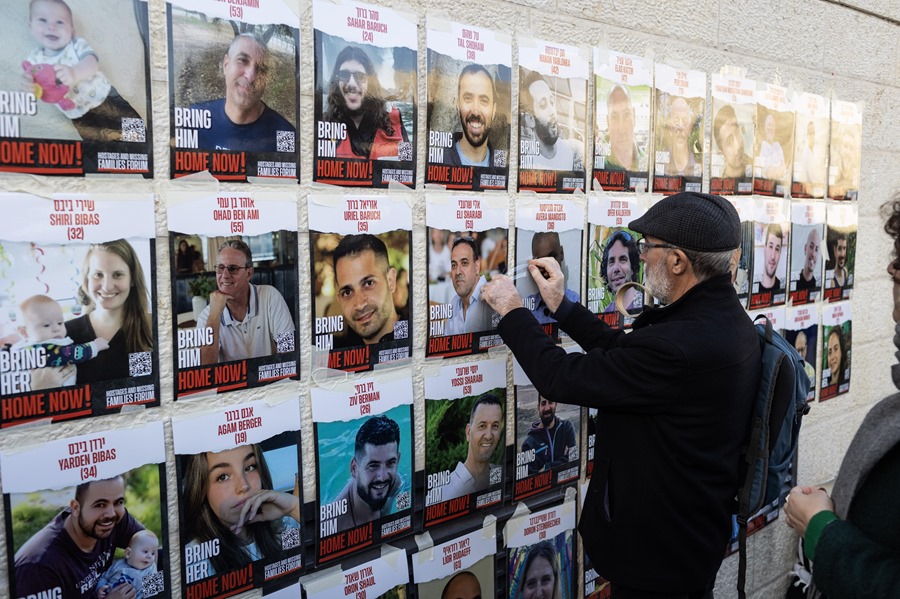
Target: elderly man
<point x="668" y="438"/>
<point x="241" y="120"/>
<point x="619" y="264"/>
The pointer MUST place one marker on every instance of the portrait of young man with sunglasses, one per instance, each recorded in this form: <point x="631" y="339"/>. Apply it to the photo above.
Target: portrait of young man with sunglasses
<point x="245" y="319"/>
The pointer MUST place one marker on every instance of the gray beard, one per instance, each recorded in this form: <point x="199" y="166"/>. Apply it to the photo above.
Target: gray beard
<point x="658" y="283"/>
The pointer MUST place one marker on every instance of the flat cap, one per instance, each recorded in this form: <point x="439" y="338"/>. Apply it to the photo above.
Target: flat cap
<point x="694" y="221"/>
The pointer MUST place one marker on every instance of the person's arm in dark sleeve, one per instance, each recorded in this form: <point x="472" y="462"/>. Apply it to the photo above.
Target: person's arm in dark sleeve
<point x="583" y="326"/>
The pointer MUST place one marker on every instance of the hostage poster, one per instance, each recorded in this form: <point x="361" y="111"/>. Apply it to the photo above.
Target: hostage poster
<point x="680" y="110"/>
<point x="105" y="491"/>
<point x="553" y="83"/>
<point x="467" y="245"/>
<point x="469" y="106"/>
<point x="233" y="99"/>
<point x="364" y="429"/>
<point x="541" y="553"/>
<point x="361" y="272"/>
<point x="810" y="146"/>
<point x="801" y="329"/>
<point x="774" y="156"/>
<point x="78" y="325"/>
<point x="365" y="97"/>
<point x="846" y="150"/>
<point x="234" y="289"/>
<point x="837" y="326"/>
<point x="384" y="577"/>
<point x="465" y="433"/>
<point x="624" y="86"/>
<point x="840" y="243"/>
<point x="463" y="567"/>
<point x="771" y="241"/>
<point x="734" y="110"/>
<point x="743" y="268"/>
<point x="808" y="226"/>
<point x="75" y="88"/>
<point x="239" y="495"/>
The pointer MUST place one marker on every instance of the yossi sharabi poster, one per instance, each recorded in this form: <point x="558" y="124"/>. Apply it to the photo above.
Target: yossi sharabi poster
<point x="361" y="273"/>
<point x="465" y="438"/>
<point x="774" y="153"/>
<point x="86" y="517"/>
<point x="743" y="266"/>
<point x="549" y="229"/>
<point x="239" y="497"/>
<point x="462" y="568"/>
<point x="840" y="245"/>
<point x="384" y="577"/>
<point x="801" y="329"/>
<point x="234" y="289"/>
<point x="613" y="259"/>
<point x="680" y="110"/>
<point x="733" y="113"/>
<point x="365" y="96"/>
<point x="548" y="439"/>
<point x="807" y="240"/>
<point x="75" y="88"/>
<point x="624" y="86"/>
<point x="846" y="149"/>
<point x="78" y="324"/>
<point x="541" y="553"/>
<point x="364" y="429"/>
<point x="771" y="241"/>
<point x="553" y="83"/>
<point x="836" y="349"/>
<point x="234" y="108"/>
<point x="810" y="146"/>
<point x="469" y="106"/>
<point x="468" y="244"/>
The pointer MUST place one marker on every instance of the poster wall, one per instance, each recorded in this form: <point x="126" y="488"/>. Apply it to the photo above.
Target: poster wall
<point x="837" y="325"/>
<point x="810" y="146"/>
<point x="840" y="243"/>
<point x="108" y="488"/>
<point x="76" y="94"/>
<point x="771" y="240"/>
<point x="365" y="100"/>
<point x="774" y="154"/>
<point x="541" y="549"/>
<point x="361" y="266"/>
<point x="846" y="150"/>
<point x="78" y="274"/>
<point x="680" y="110"/>
<point x="462" y="567"/>
<point x="233" y="104"/>
<point x="234" y="289"/>
<point x="469" y="106"/>
<point x="733" y="110"/>
<point x="808" y="227"/>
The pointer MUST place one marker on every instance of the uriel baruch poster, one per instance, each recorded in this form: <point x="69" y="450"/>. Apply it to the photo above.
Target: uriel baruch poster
<point x="469" y="106"/>
<point x="467" y="245"/>
<point x="365" y="96"/>
<point x="233" y="100"/>
<point x="364" y="429"/>
<point x="462" y="567"/>
<point x="78" y="274"/>
<point x="86" y="515"/>
<point x="234" y="289"/>
<point x="465" y="438"/>
<point x="239" y="497"/>
<point x="75" y="88"/>
<point x="361" y="272"/>
<point x="680" y="110"/>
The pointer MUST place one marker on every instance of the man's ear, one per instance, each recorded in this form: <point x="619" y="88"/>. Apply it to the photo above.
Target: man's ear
<point x="392" y="279"/>
<point x="678" y="262"/>
<point x="353" y="467"/>
<point x="75" y="507"/>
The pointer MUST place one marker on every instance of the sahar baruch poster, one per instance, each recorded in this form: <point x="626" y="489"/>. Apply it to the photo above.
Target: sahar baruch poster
<point x="233" y="99"/>
<point x="465" y="438"/>
<point x="366" y="89"/>
<point x="549" y="228"/>
<point x="624" y="86"/>
<point x="801" y="329"/>
<point x="239" y="497"/>
<point x="541" y="553"/>
<point x="364" y="430"/>
<point x="464" y="566"/>
<point x="680" y="110"/>
<point x="385" y="577"/>
<point x="733" y="114"/>
<point x="75" y="88"/>
<point x="78" y="305"/>
<point x="553" y="82"/>
<point x="771" y="241"/>
<point x="840" y="243"/>
<point x="774" y="153"/>
<point x="86" y="515"/>
<point x="548" y="439"/>
<point x="846" y="150"/>
<point x="467" y="245"/>
<point x="807" y="241"/>
<point x="469" y="106"/>
<point x="837" y="326"/>
<point x="234" y="289"/>
<point x="613" y="259"/>
<point x="361" y="273"/>
<point x="810" y="146"/>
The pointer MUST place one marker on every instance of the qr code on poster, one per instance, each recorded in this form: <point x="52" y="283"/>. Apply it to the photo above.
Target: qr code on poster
<point x="284" y="141"/>
<point x="133" y="130"/>
<point x="401" y="329"/>
<point x="140" y="364"/>
<point x="496" y="476"/>
<point x="500" y="158"/>
<point x="153" y="584"/>
<point x="404" y="151"/>
<point x="290" y="538"/>
<point x="403" y="502"/>
<point x="284" y="342"/>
